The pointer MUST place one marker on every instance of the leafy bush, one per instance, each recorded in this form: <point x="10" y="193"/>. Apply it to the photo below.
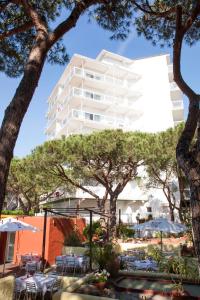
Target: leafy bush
<point x="106" y="258"/>
<point x="125" y="232"/>
<point x="17" y="212"/>
<point x="96" y="230"/>
<point x="73" y="240"/>
<point x="155" y="253"/>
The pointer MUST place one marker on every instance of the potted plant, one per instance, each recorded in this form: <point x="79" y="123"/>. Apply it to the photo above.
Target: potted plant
<point x="178" y="293"/>
<point x="100" y="279"/>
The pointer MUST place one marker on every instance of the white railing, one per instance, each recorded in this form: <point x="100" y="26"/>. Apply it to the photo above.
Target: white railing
<point x="177" y="104"/>
<point x="92" y="117"/>
<point x="98" y="77"/>
<point x="170" y="68"/>
<point x="174" y="86"/>
<point x="99" y="98"/>
<point x="51" y="121"/>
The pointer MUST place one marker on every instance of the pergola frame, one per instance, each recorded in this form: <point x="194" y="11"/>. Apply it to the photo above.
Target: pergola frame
<point x="69" y="213"/>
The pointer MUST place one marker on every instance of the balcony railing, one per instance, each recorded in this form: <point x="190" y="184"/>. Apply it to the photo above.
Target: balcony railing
<point x="170" y="68"/>
<point x="174" y="86"/>
<point x="177" y="104"/>
<point x="99" y="97"/>
<point x="96" y="118"/>
<point x="98" y="77"/>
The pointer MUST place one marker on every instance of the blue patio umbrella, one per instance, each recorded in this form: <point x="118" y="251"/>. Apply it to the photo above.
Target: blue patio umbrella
<point x="161" y="225"/>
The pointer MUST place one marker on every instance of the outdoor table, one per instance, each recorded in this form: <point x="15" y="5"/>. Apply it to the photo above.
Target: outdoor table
<point x="42" y="282"/>
<point x="79" y="261"/>
<point x="145" y="264"/>
<point x="128" y="258"/>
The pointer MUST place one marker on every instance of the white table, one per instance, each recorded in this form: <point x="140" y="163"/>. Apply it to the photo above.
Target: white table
<point x="145" y="264"/>
<point x="42" y="282"/>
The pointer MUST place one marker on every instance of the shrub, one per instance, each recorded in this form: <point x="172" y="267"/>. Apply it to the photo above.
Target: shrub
<point x="125" y="232"/>
<point x="96" y="230"/>
<point x="155" y="253"/>
<point x="73" y="240"/>
<point x="17" y="212"/>
<point x="106" y="258"/>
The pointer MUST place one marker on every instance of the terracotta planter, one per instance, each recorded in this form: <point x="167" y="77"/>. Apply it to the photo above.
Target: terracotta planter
<point x="177" y="296"/>
<point x="100" y="285"/>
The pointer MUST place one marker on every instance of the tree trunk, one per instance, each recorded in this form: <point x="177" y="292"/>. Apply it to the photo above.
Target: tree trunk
<point x="23" y="206"/>
<point x="169" y="197"/>
<point x="195" y="210"/>
<point x="182" y="205"/>
<point x="113" y="217"/>
<point x="16" y="110"/>
<point x="171" y="212"/>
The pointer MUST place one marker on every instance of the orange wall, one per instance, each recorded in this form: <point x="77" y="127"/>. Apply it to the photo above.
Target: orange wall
<point x="56" y="231"/>
<point x="28" y="241"/>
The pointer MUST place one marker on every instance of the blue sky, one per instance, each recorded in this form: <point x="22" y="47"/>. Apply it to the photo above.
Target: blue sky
<point x="86" y="39"/>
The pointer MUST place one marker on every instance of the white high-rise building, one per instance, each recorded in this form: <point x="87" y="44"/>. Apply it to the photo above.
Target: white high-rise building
<point x="113" y="91"/>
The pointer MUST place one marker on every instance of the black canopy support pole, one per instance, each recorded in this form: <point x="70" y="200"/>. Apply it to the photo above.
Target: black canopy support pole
<point x="44" y="238"/>
<point x="90" y="232"/>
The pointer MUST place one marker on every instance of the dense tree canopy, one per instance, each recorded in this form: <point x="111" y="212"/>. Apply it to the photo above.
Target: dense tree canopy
<point x="161" y="165"/>
<point x="110" y="158"/>
<point x="29" y="184"/>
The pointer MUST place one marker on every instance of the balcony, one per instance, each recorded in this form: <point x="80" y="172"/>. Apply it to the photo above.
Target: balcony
<point x="177" y="104"/>
<point x="99" y="79"/>
<point x="174" y="86"/>
<point x="94" y="120"/>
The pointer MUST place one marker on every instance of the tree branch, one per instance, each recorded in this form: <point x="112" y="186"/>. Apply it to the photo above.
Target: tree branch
<point x="178" y="40"/>
<point x="35" y="17"/>
<point x="71" y="21"/>
<point x="14" y="31"/>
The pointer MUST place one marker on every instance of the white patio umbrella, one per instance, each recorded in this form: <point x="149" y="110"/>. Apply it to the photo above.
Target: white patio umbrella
<point x="162" y="225"/>
<point x="13" y="225"/>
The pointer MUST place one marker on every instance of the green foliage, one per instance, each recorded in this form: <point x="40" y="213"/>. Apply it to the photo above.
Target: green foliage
<point x="125" y="232"/>
<point x="106" y="258"/>
<point x="96" y="230"/>
<point x="29" y="183"/>
<point x="160" y="29"/>
<point x="114" y="16"/>
<point x="155" y="253"/>
<point x="73" y="240"/>
<point x="16" y="212"/>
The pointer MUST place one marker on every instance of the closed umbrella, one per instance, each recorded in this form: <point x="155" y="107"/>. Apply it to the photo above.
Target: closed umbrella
<point x="162" y="225"/>
<point x="13" y="225"/>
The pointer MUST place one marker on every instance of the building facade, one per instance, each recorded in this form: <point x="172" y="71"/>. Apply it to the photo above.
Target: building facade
<point x="112" y="92"/>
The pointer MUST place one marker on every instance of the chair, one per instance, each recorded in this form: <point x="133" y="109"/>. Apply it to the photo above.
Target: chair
<point x="19" y="293"/>
<point x="69" y="266"/>
<point x="31" y="267"/>
<point x="59" y="266"/>
<point x="33" y="291"/>
<point x="55" y="287"/>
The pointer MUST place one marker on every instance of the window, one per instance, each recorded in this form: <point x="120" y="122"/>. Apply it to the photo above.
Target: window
<point x="89" y="95"/>
<point x="149" y="209"/>
<point x="97" y="97"/>
<point x="89" y="116"/>
<point x="89" y="75"/>
<point x="97" y="118"/>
